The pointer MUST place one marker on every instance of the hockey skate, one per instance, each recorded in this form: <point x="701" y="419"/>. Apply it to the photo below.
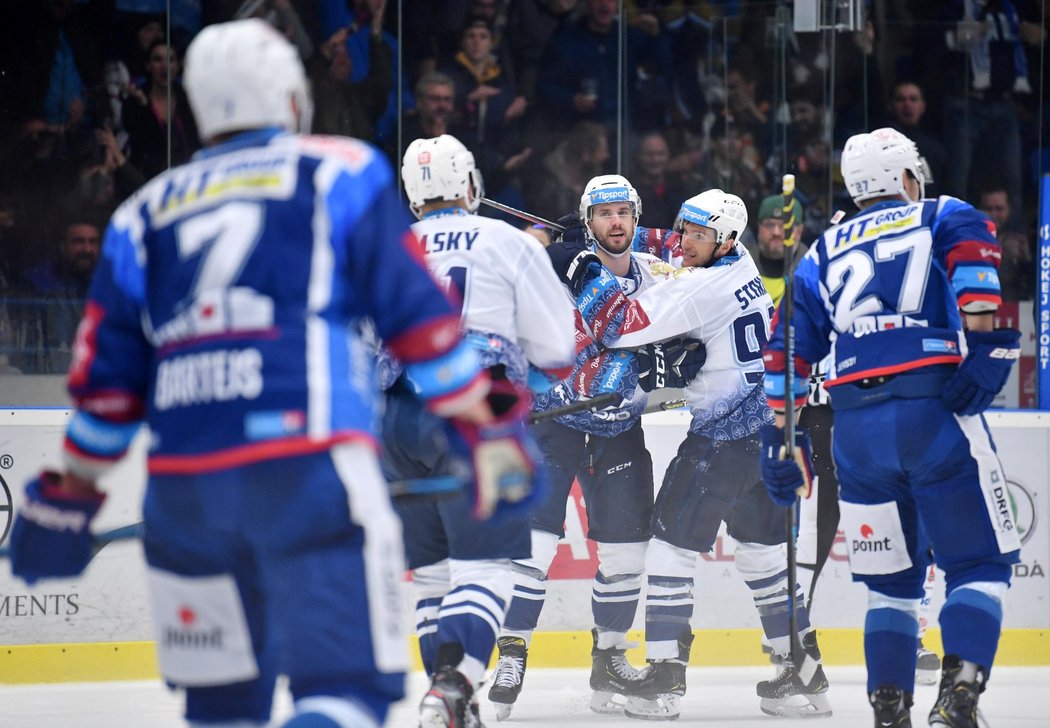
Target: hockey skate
<point x="447" y="703"/>
<point x="611" y="677"/>
<point x="786" y="696"/>
<point x="509" y="675"/>
<point x="956" y="704"/>
<point x="927" y="666"/>
<point x="658" y="696"/>
<point x="892" y="707"/>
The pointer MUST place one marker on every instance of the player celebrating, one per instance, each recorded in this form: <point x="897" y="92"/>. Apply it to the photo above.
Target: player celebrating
<point x="513" y="312"/>
<point x="606" y="451"/>
<point x="223" y="313"/>
<point x="719" y="299"/>
<point x="902" y="297"/>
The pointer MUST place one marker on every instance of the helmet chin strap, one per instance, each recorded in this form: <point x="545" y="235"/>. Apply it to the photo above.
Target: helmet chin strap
<point x="609" y="252"/>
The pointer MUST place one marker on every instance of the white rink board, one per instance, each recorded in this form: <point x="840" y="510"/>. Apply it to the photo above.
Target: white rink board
<point x="109" y="603"/>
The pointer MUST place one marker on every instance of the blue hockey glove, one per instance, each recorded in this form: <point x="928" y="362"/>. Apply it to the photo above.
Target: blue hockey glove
<point x="51" y="538"/>
<point x="504" y="455"/>
<point x="671" y="363"/>
<point x="984" y="370"/>
<point x="786" y="479"/>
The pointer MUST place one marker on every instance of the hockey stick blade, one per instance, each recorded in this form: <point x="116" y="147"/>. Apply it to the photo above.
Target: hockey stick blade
<point x="101" y="539"/>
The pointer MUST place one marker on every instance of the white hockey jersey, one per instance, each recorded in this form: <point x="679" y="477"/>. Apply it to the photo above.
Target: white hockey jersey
<point x="514" y="308"/>
<point x="727" y="307"/>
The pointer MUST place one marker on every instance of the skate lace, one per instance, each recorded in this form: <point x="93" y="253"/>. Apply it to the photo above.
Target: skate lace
<point x="509" y="671"/>
<point x="625" y="669"/>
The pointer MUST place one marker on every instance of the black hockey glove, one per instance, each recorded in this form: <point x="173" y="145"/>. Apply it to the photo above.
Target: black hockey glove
<point x="575" y="233"/>
<point x="574" y="264"/>
<point x="671" y="364"/>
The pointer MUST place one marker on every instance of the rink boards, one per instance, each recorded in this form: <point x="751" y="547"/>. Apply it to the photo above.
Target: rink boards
<point x="98" y="627"/>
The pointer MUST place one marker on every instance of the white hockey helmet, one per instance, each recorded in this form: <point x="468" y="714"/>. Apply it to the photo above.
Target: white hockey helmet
<point x="873" y="165"/>
<point x="606" y="188"/>
<point x="723" y="212"/>
<point x="441" y="168"/>
<point x="245" y="75"/>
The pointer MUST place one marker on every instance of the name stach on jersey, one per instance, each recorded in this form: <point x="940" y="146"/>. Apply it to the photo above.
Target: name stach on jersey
<point x="447" y="241"/>
<point x="261" y="175"/>
<point x="867" y="228"/>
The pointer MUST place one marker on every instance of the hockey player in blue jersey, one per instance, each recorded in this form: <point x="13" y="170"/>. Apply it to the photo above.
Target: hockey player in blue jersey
<point x="514" y="314"/>
<point x="223" y="314"/>
<point x="718" y="298"/>
<point x="606" y="451"/>
<point x="902" y="296"/>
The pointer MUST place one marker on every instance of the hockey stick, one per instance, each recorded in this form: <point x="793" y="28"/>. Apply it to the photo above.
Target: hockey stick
<point x="448" y="484"/>
<point x="527" y="216"/>
<point x="667" y="404"/>
<point x="101" y="539"/>
<point x="583" y="405"/>
<point x="805" y="666"/>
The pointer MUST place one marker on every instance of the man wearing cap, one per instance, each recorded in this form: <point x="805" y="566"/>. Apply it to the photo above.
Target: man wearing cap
<point x="768" y="249"/>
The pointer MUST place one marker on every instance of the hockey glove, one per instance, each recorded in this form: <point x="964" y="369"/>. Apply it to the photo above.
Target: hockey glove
<point x="503" y="454"/>
<point x="51" y="538"/>
<point x="671" y="363"/>
<point x="984" y="370"/>
<point x="786" y="479"/>
<point x="575" y="233"/>
<point x="574" y="265"/>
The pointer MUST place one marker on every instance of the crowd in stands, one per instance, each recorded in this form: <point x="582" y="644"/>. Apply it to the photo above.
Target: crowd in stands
<point x="691" y="94"/>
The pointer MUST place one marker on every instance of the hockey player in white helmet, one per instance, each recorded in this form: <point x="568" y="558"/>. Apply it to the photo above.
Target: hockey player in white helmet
<point x="514" y="313"/>
<point x="261" y="84"/>
<point x="901" y="297"/>
<point x="718" y="298"/>
<point x="609" y="210"/>
<point x="605" y="451"/>
<point x="225" y="314"/>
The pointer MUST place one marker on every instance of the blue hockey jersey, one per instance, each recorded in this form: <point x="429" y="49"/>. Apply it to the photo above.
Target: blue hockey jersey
<point x="225" y="304"/>
<point x="882" y="293"/>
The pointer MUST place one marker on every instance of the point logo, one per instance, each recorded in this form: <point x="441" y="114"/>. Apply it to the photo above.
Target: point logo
<point x="187" y="616"/>
<point x="867" y="545"/>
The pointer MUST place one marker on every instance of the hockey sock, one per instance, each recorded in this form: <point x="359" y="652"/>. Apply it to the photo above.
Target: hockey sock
<point x="614" y="601"/>
<point x="763" y="569"/>
<point x="890" y="640"/>
<point x="971" y="619"/>
<point x="668" y="606"/>
<point x="430" y="583"/>
<point x="472" y="613"/>
<point x="530" y="586"/>
<point x="530" y="592"/>
<point x="669" y="600"/>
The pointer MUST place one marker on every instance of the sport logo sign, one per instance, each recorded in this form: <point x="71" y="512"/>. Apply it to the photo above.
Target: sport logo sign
<point x="610" y="194"/>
